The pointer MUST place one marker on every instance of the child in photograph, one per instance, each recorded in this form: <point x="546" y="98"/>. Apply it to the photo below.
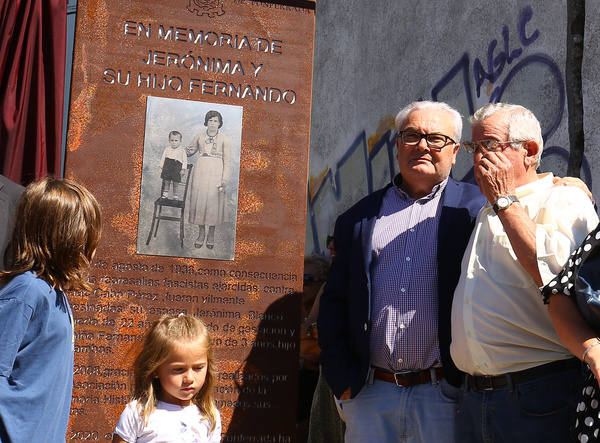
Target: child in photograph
<point x="55" y="236"/>
<point x="174" y="377"/>
<point x="173" y="164"/>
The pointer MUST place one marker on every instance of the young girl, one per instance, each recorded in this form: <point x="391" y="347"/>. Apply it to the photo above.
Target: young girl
<point x="56" y="232"/>
<point x="174" y="377"/>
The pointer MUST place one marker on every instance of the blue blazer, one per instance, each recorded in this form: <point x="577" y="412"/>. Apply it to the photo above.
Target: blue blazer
<point x="344" y="318"/>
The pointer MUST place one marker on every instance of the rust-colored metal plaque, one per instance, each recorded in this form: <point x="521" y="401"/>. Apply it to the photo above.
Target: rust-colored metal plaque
<point x="190" y="123"/>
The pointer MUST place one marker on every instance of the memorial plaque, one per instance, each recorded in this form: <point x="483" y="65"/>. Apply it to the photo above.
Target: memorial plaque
<point x="216" y="232"/>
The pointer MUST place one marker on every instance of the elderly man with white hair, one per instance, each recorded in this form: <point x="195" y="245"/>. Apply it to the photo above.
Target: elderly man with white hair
<point x="521" y="380"/>
<point x="384" y="316"/>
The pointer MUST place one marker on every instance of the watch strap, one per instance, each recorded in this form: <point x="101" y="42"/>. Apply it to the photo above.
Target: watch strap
<point x="511" y="199"/>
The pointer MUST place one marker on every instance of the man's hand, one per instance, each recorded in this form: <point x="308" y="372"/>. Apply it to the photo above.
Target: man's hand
<point x="574" y="181"/>
<point x="494" y="175"/>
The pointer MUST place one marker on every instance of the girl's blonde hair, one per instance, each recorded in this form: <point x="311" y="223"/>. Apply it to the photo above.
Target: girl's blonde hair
<point x="164" y="335"/>
<point x="56" y="233"/>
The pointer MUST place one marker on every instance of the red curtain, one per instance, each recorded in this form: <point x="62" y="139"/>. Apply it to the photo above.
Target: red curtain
<point x="32" y="81"/>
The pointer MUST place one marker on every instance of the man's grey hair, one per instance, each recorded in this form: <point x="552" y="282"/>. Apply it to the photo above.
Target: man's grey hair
<point x="438" y="106"/>
<point x="522" y="124"/>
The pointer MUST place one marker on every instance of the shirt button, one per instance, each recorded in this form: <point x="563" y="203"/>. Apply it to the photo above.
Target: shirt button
<point x="412" y="229"/>
<point x="402" y="289"/>
<point x="365" y="326"/>
<point x="407" y="258"/>
<point x="400" y="360"/>
<point x="402" y="326"/>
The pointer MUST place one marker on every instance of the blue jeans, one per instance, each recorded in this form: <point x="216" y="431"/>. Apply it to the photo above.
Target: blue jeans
<point x="383" y="412"/>
<point x="540" y="410"/>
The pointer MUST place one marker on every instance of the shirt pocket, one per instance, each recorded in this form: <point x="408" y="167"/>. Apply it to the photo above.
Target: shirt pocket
<point x="502" y="264"/>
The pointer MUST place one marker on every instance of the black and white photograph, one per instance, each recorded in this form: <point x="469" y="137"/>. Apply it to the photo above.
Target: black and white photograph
<point x="190" y="179"/>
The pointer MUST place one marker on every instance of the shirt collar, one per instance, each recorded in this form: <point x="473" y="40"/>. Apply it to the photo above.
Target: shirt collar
<point x="397" y="182"/>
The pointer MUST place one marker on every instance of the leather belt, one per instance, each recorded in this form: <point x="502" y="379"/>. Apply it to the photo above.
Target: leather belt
<point x="408" y="379"/>
<point x="491" y="382"/>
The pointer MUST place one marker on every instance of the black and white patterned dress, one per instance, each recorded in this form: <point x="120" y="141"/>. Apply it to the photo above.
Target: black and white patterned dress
<point x="587" y="424"/>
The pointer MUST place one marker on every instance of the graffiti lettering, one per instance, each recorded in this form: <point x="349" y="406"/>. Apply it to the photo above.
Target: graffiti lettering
<point x="506" y="67"/>
<point x="495" y="65"/>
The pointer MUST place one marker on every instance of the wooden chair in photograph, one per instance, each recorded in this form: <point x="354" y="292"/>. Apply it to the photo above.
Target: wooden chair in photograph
<point x="161" y="202"/>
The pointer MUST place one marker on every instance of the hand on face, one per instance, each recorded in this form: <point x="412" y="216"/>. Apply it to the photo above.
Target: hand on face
<point x="494" y="174"/>
<point x="497" y="172"/>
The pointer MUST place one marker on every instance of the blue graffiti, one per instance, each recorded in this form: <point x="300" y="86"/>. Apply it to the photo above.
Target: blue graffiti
<point x="498" y="75"/>
<point x="385" y="143"/>
<point x="544" y="60"/>
<point x="495" y="65"/>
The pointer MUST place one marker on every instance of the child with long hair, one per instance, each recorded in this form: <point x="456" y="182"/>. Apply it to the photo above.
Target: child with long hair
<point x="174" y="378"/>
<point x="56" y="232"/>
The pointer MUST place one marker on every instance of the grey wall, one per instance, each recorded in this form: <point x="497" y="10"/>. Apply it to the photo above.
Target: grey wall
<point x="372" y="58"/>
<point x="591" y="93"/>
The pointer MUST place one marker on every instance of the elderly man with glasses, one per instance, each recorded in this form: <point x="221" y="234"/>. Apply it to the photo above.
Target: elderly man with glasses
<point x="521" y="383"/>
<point x="384" y="318"/>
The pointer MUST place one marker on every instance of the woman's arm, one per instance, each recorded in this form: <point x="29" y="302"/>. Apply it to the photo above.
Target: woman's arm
<point x="193" y="147"/>
<point x="226" y="158"/>
<point x="574" y="332"/>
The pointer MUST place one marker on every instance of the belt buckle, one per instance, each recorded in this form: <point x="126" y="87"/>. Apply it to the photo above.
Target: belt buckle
<point x="401" y="374"/>
<point x="485" y="383"/>
<point x="396" y="375"/>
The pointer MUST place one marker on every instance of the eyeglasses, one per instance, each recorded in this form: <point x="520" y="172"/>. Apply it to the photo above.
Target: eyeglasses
<point x="434" y="141"/>
<point x="488" y="145"/>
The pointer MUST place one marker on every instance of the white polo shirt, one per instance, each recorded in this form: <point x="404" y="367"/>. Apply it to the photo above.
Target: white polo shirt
<point x="499" y="321"/>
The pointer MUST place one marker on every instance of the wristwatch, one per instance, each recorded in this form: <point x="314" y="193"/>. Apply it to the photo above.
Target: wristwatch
<point x="504" y="202"/>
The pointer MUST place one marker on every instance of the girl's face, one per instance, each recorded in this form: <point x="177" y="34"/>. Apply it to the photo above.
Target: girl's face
<point x="213" y="123"/>
<point x="183" y="373"/>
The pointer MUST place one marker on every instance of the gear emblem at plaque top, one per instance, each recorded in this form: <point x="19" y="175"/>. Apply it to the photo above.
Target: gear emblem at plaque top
<point x="212" y="8"/>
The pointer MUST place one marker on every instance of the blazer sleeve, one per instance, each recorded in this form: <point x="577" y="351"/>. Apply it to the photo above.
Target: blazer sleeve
<point x="340" y="365"/>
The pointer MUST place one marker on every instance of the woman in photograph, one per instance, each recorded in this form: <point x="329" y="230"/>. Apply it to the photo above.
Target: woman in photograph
<point x="209" y="178"/>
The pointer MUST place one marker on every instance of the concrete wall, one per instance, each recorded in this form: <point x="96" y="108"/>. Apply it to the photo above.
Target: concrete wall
<point x="372" y="58"/>
<point x="590" y="76"/>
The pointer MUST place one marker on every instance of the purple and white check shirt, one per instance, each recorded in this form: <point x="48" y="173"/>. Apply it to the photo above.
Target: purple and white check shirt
<point x="404" y="282"/>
